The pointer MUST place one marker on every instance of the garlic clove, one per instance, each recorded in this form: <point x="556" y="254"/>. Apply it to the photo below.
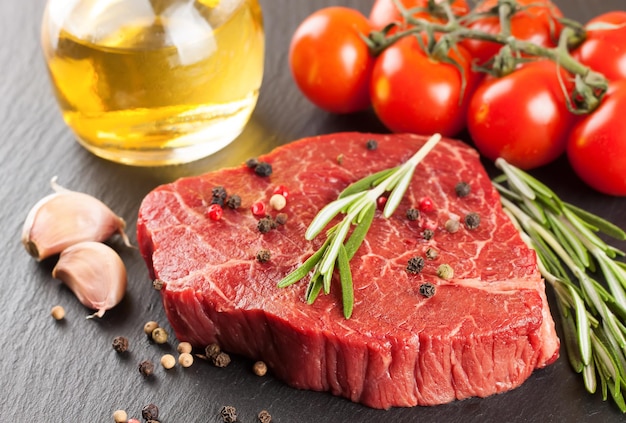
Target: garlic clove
<point x="65" y="218"/>
<point x="95" y="273"/>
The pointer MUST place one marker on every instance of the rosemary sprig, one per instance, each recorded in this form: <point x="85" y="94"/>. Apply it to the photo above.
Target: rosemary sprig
<point x="568" y="250"/>
<point x="358" y="203"/>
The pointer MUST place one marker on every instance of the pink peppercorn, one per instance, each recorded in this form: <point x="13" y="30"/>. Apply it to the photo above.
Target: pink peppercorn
<point x="426" y="204"/>
<point x="133" y="421"/>
<point x="381" y="201"/>
<point x="282" y="190"/>
<point x="215" y="212"/>
<point x="258" y="208"/>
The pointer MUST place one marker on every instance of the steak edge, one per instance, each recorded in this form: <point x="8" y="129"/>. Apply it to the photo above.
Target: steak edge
<point x="483" y="332"/>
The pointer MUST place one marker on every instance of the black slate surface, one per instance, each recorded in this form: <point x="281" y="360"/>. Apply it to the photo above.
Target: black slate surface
<point x="67" y="371"/>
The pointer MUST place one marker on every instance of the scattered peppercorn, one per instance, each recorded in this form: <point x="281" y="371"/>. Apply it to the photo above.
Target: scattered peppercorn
<point x="150" y="412"/>
<point x="340" y="159"/>
<point x="120" y="344"/>
<point x="229" y="414"/>
<point x="258" y="208"/>
<point x="146" y="368"/>
<point x="266" y="224"/>
<point x="428" y="234"/>
<point x="168" y="361"/>
<point x="215" y="212"/>
<point x="263" y="255"/>
<point x="212" y="350"/>
<point x="445" y="271"/>
<point x="259" y="368"/>
<point x="263" y="169"/>
<point x="133" y="421"/>
<point x="282" y="190"/>
<point x="221" y="360"/>
<point x="371" y="144"/>
<point x="264" y="417"/>
<point x="462" y="189"/>
<point x="159" y="335"/>
<point x="472" y="220"/>
<point x="233" y="202"/>
<point x="412" y="214"/>
<point x="431" y="254"/>
<point x="278" y="201"/>
<point x="57" y="312"/>
<point x="415" y="265"/>
<point x="252" y="162"/>
<point x="158" y="284"/>
<point x="219" y="193"/>
<point x="381" y="201"/>
<point x="120" y="416"/>
<point x="281" y="218"/>
<point x="427" y="289"/>
<point x="185" y="359"/>
<point x="184" y="347"/>
<point x="149" y="327"/>
<point x="452" y="225"/>
<point x="426" y="204"/>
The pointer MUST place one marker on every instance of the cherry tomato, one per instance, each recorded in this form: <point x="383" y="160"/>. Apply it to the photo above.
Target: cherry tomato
<point x="412" y="92"/>
<point x="384" y="12"/>
<point x="329" y="61"/>
<point x="596" y="147"/>
<point x="534" y="22"/>
<point x="604" y="49"/>
<point x="521" y="117"/>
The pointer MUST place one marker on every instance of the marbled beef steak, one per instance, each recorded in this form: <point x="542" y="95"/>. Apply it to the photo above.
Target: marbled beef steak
<point x="483" y="332"/>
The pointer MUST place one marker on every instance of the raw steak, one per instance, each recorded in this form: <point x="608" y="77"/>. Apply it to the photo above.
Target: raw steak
<point x="483" y="332"/>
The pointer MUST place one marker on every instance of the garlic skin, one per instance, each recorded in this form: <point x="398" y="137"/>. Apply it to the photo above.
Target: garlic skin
<point x="95" y="273"/>
<point x="65" y="218"/>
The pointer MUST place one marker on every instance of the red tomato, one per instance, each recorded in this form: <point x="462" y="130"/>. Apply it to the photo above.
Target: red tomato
<point x="385" y="12"/>
<point x="330" y="62"/>
<point x="535" y="22"/>
<point x="412" y="92"/>
<point x="597" y="145"/>
<point x="521" y="117"/>
<point x="604" y="50"/>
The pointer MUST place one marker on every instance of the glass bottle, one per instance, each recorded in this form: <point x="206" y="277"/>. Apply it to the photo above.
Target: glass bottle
<point x="154" y="82"/>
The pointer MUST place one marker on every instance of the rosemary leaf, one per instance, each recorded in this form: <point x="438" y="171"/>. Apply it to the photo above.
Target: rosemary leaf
<point x="599" y="223"/>
<point x="327" y="214"/>
<point x="360" y="231"/>
<point x="584" y="336"/>
<point x="313" y="289"/>
<point x="570" y="335"/>
<point x="396" y="195"/>
<point x="304" y="268"/>
<point x="345" y="276"/>
<point x="366" y="183"/>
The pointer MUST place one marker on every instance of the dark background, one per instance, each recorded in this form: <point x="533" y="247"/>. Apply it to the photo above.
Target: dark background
<point x="67" y="371"/>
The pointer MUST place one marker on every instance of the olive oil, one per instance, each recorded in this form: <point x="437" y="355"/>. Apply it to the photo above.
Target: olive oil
<point x="153" y="82"/>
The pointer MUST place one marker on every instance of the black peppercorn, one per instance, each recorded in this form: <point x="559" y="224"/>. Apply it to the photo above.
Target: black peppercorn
<point x="427" y="289"/>
<point x="120" y="344"/>
<point x="229" y="414"/>
<point x="233" y="202"/>
<point x="263" y="255"/>
<point x="462" y="189"/>
<point x="371" y="144"/>
<point x="146" y="368"/>
<point x="412" y="214"/>
<point x="252" y="162"/>
<point x="263" y="169"/>
<point x="428" y="234"/>
<point x="266" y="224"/>
<point x="472" y="220"/>
<point x="150" y="412"/>
<point x="415" y="265"/>
<point x="218" y="195"/>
